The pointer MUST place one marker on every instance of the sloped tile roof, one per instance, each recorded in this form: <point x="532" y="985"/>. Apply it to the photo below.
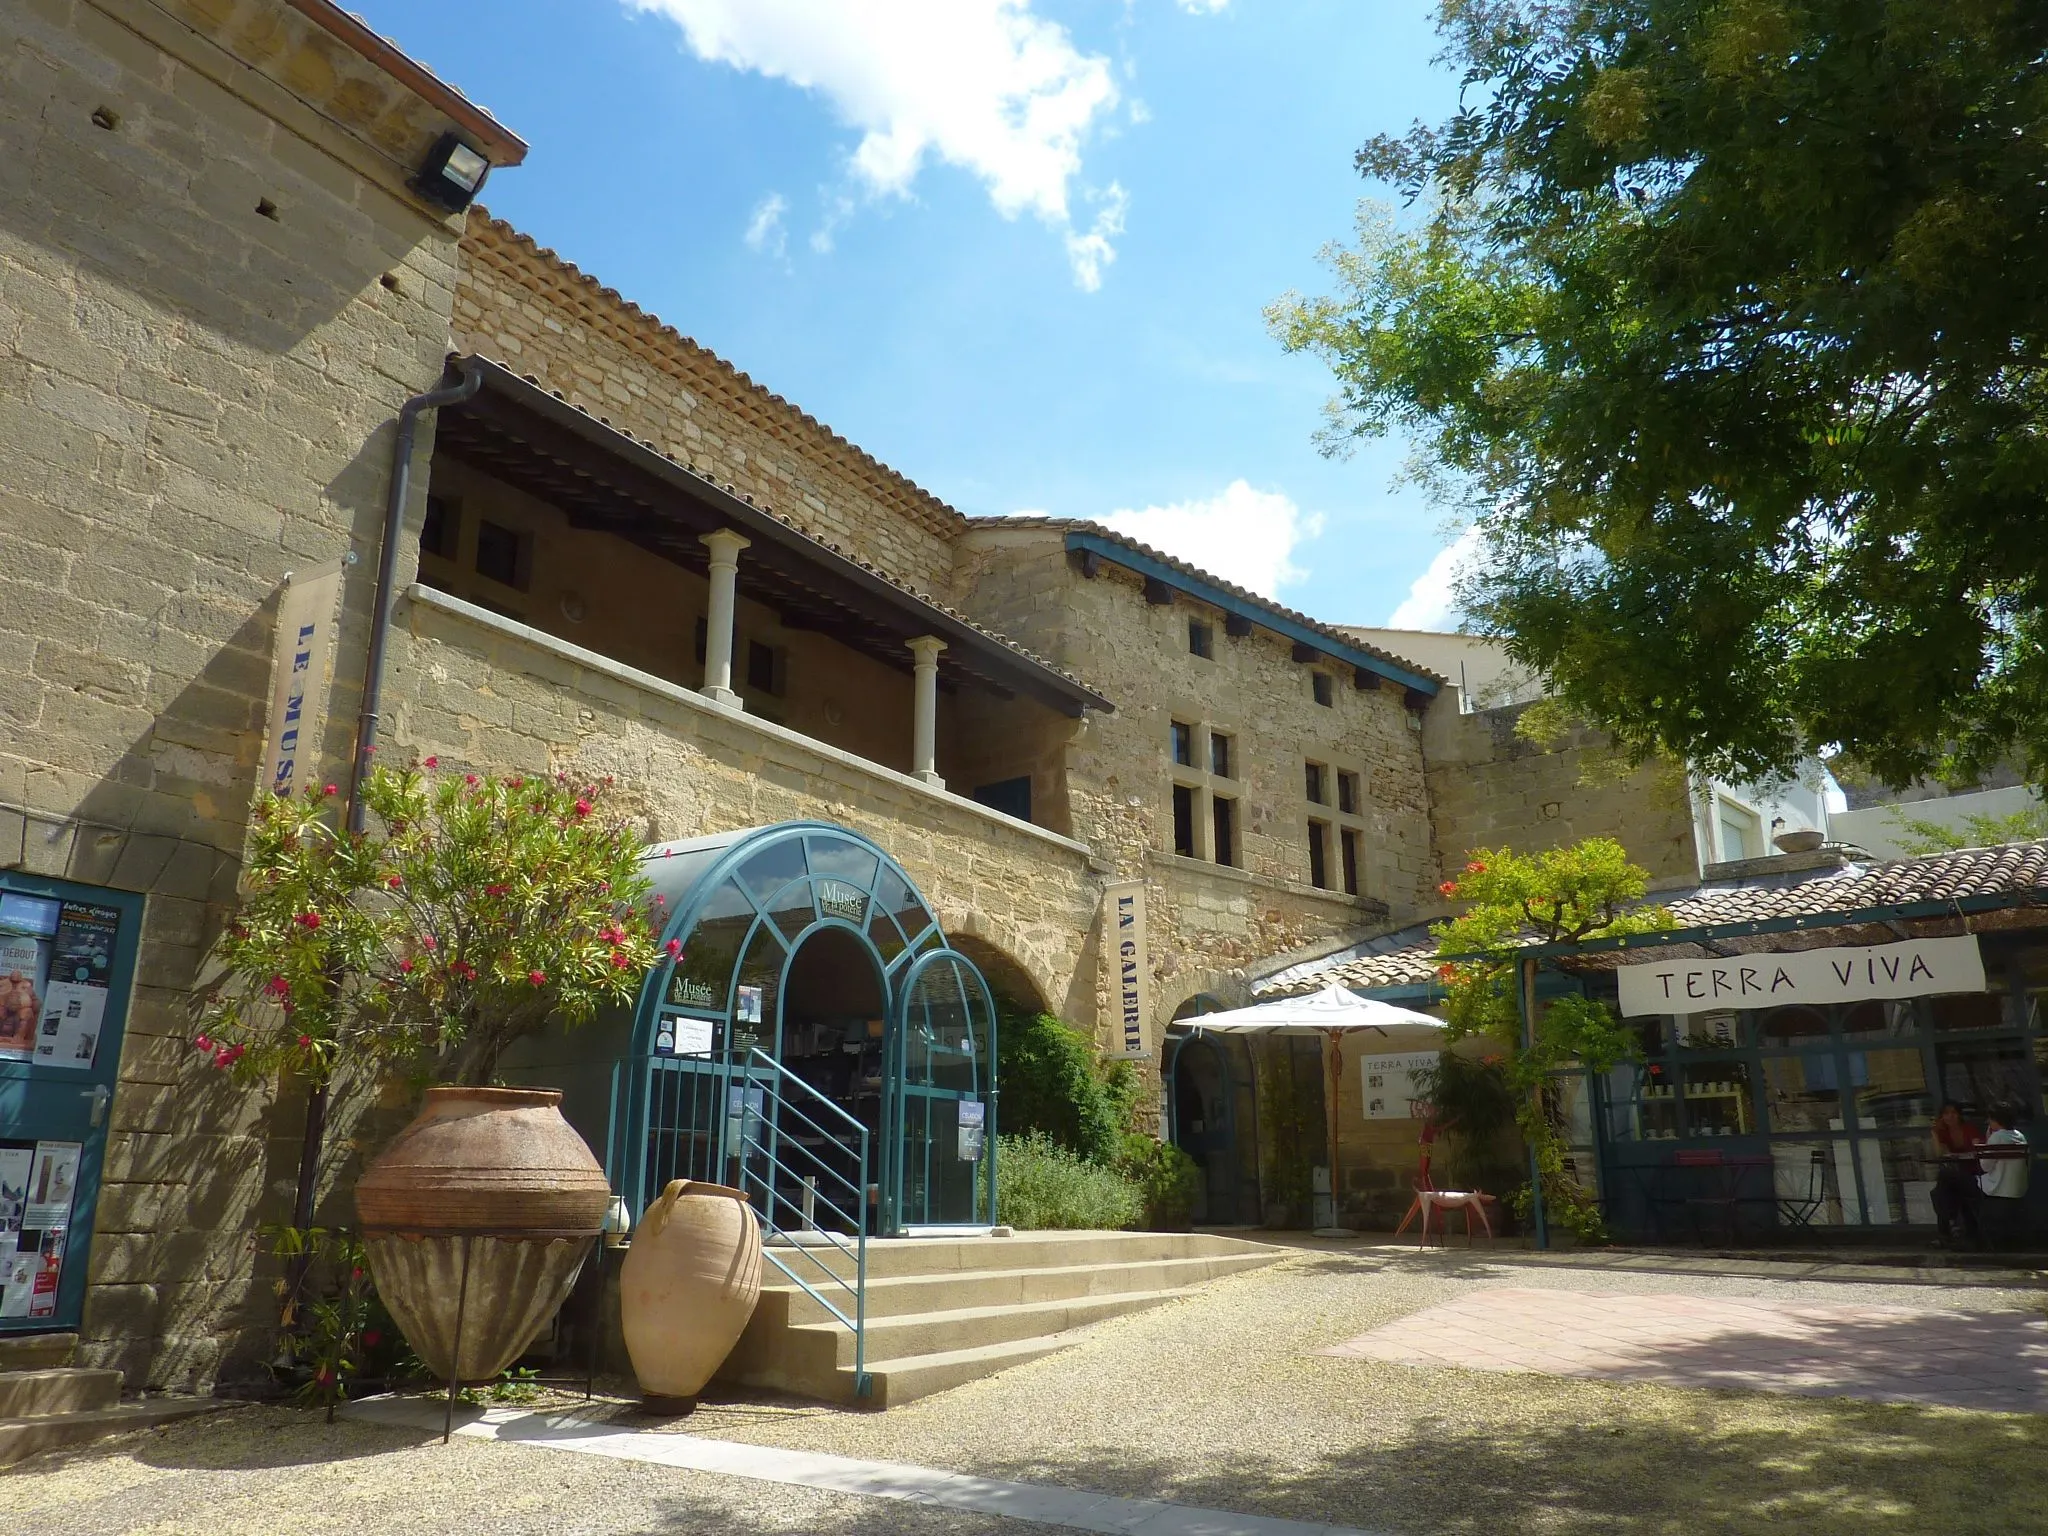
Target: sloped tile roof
<point x="2009" y="869"/>
<point x="1245" y="594"/>
<point x="607" y="311"/>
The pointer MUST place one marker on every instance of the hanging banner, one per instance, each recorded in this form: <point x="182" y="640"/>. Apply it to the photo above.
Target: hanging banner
<point x="1914" y="968"/>
<point x="1130" y="965"/>
<point x="306" y="620"/>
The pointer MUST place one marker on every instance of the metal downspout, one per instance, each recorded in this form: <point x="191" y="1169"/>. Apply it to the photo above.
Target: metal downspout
<point x="387" y="571"/>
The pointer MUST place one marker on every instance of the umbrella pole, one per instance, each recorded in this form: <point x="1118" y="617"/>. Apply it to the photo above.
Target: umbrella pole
<point x="1333" y="1068"/>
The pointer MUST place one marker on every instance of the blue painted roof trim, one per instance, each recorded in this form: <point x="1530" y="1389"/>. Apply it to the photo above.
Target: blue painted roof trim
<point x="1258" y="613"/>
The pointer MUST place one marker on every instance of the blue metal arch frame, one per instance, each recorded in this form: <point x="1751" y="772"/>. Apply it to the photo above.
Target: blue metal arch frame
<point x="690" y="875"/>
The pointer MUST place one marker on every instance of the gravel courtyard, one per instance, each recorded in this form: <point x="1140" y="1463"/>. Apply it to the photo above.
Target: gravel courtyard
<point x="1220" y="1401"/>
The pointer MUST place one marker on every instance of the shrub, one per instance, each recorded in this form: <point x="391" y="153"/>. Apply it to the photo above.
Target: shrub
<point x="1041" y="1186"/>
<point x="1167" y="1180"/>
<point x="1053" y="1087"/>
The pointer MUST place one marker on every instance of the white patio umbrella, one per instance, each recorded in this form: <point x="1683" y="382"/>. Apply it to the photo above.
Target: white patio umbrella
<point x="1331" y="1014"/>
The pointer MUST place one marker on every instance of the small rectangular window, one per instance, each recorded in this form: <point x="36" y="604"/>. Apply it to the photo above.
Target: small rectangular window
<point x="1219" y="755"/>
<point x="1201" y="639"/>
<point x="1347" y="793"/>
<point x="1317" y="786"/>
<point x="1324" y="690"/>
<point x="763" y="670"/>
<point x="502" y="555"/>
<point x="441" y="534"/>
<point x="1319" y="855"/>
<point x="1223" y="817"/>
<point x="1184" y="821"/>
<point x="1184" y="744"/>
<point x="1010" y="796"/>
<point x="1350" y="841"/>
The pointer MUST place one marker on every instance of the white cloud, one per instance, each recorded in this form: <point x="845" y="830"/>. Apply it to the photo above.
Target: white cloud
<point x="1245" y="536"/>
<point x="764" y="230"/>
<point x="984" y="85"/>
<point x="1431" y="602"/>
<point x="1088" y="254"/>
<point x="1202" y="7"/>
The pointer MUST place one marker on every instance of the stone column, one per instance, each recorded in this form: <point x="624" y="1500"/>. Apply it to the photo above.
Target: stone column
<point x="725" y="547"/>
<point x="924" y="731"/>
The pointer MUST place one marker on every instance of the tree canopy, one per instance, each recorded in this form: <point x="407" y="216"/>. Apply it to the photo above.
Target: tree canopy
<point x="1723" y="320"/>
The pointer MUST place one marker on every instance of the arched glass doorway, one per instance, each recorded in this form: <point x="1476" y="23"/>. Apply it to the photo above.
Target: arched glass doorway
<point x="808" y="944"/>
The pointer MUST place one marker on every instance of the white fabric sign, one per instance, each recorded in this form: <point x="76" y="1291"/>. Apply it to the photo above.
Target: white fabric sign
<point x="1129" y="964"/>
<point x="305" y="639"/>
<point x="1393" y="1090"/>
<point x="1914" y="968"/>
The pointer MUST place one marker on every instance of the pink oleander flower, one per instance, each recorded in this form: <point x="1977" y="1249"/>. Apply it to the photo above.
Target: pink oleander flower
<point x="583" y="808"/>
<point x="674" y="948"/>
<point x="431" y="762"/>
<point x="538" y="978"/>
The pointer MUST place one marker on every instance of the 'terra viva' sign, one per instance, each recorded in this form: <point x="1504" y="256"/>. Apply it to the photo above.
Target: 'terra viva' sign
<point x="1915" y="968"/>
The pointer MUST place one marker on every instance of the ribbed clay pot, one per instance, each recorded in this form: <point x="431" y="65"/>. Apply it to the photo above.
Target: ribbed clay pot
<point x="688" y="1286"/>
<point x="494" y="1182"/>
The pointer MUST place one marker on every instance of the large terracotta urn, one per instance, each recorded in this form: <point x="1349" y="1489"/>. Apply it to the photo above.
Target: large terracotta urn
<point x="476" y="1219"/>
<point x="688" y="1286"/>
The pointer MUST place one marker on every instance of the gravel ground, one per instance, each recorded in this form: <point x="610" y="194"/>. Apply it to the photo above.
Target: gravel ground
<point x="271" y="1471"/>
<point x="1217" y="1400"/>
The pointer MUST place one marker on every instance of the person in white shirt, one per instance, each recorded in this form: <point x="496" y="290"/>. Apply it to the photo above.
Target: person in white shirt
<point x="2004" y="1176"/>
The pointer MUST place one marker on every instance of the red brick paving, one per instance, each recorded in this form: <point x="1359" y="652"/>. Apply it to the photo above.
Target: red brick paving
<point x="1985" y="1360"/>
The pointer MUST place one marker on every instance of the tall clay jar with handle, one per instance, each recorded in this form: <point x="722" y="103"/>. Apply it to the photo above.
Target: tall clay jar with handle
<point x="688" y="1287"/>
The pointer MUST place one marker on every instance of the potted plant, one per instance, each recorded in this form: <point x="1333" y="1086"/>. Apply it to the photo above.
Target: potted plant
<point x="477" y="909"/>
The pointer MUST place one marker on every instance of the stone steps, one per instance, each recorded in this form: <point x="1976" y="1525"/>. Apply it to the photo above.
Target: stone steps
<point x="943" y="1311"/>
<point x="46" y="1403"/>
<point x="57" y="1431"/>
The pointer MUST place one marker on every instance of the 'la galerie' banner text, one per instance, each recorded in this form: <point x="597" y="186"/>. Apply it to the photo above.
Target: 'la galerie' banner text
<point x="1915" y="968"/>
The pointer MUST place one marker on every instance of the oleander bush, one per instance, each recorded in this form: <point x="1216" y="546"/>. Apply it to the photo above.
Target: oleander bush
<point x="1041" y="1186"/>
<point x="1167" y="1179"/>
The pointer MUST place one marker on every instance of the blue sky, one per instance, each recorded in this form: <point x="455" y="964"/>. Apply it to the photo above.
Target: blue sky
<point x="1017" y="249"/>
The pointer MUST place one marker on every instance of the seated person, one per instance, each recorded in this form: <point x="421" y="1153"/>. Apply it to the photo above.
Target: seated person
<point x="2005" y="1174"/>
<point x="2004" y="1157"/>
<point x="1956" y="1190"/>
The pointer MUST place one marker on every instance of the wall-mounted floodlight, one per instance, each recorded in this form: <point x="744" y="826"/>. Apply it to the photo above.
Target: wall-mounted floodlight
<point x="452" y="174"/>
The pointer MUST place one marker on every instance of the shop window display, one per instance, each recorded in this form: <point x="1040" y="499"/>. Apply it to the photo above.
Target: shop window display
<point x="1717" y="1098"/>
<point x="1803" y="1093"/>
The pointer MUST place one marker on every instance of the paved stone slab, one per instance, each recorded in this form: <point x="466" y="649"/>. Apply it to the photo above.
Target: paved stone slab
<point x="1994" y="1361"/>
<point x="1074" y="1508"/>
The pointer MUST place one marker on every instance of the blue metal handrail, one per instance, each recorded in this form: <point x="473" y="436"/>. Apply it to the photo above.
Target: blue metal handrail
<point x="764" y="1132"/>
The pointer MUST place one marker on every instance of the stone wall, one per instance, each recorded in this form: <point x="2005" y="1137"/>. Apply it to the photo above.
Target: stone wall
<point x="477" y="689"/>
<point x="529" y="309"/>
<point x="1206" y="922"/>
<point x="214" y="294"/>
<point x="1492" y="788"/>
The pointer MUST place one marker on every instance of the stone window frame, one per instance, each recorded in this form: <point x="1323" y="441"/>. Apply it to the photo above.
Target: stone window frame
<point x="1208" y="786"/>
<point x="1339" y="873"/>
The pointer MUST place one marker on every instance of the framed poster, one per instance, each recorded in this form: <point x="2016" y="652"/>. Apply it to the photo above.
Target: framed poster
<point x="1392" y="1084"/>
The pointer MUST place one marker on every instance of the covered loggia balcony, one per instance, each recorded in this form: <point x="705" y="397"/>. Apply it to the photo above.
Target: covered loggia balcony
<point x="545" y="515"/>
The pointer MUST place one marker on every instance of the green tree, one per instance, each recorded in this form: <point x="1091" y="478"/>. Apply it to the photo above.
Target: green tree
<point x="1726" y="323"/>
<point x="1920" y="836"/>
<point x="1054" y="1085"/>
<point x="1561" y="895"/>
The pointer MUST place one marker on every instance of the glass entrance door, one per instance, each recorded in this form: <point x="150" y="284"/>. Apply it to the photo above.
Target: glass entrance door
<point x="67" y="961"/>
<point x="939" y="1114"/>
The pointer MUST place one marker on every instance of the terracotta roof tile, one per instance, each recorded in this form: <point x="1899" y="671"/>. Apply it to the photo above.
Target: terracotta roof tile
<point x="611" y="311"/>
<point x="1100" y="531"/>
<point x="2009" y="869"/>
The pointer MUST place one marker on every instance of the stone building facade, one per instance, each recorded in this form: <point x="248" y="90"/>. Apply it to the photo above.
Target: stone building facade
<point x="219" y="283"/>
